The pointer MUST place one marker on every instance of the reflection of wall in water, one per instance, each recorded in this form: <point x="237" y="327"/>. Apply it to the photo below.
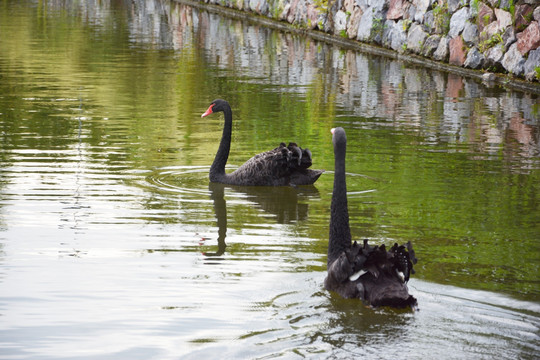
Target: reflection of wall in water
<point x="368" y="86"/>
<point x="443" y="107"/>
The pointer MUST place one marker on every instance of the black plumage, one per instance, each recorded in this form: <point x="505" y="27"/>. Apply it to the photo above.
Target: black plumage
<point x="284" y="165"/>
<point x="367" y="272"/>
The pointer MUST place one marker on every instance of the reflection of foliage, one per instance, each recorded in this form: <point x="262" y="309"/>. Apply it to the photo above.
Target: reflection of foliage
<point x="121" y="97"/>
<point x="421" y="201"/>
<point x="470" y="215"/>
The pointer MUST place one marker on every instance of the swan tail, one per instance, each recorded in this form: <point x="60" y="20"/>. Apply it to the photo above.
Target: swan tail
<point x="403" y="258"/>
<point x="305" y="176"/>
<point x="306" y="158"/>
<point x="295" y="155"/>
<point x="298" y="162"/>
<point x="398" y="261"/>
<point x="284" y="165"/>
<point x="300" y="158"/>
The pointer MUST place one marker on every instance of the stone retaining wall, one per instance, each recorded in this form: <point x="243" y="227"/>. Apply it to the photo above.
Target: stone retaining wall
<point x="495" y="35"/>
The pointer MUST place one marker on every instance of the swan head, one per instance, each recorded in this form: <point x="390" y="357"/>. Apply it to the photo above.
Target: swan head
<point x="216" y="106"/>
<point x="338" y="135"/>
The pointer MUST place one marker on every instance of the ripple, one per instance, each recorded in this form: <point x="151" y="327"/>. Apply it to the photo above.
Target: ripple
<point x="187" y="180"/>
<point x="300" y="319"/>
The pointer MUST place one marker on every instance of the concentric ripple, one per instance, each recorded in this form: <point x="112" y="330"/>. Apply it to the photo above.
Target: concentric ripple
<point x="186" y="180"/>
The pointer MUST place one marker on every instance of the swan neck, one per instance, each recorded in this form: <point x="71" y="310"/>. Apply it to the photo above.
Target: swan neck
<point x="217" y="170"/>
<point x="340" y="232"/>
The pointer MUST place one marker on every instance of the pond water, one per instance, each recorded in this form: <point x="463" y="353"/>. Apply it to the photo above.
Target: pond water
<point x="113" y="244"/>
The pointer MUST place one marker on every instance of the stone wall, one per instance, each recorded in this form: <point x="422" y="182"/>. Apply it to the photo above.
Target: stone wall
<point x="494" y="35"/>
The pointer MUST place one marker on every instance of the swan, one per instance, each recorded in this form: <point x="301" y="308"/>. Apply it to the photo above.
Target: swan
<point x="284" y="165"/>
<point x="370" y="273"/>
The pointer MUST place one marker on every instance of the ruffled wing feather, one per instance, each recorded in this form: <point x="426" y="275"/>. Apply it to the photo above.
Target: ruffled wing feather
<point x="284" y="165"/>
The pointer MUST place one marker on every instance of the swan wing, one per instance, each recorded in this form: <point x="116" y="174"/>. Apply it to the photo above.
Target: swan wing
<point x="284" y="165"/>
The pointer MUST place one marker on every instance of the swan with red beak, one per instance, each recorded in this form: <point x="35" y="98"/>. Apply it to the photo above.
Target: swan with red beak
<point x="286" y="165"/>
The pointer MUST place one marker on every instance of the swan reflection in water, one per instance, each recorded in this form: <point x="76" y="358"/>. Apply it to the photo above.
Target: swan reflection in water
<point x="281" y="202"/>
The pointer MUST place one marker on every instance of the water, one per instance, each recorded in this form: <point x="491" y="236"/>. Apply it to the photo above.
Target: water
<point x="114" y="245"/>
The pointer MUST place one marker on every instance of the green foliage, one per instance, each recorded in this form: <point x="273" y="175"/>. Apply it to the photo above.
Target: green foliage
<point x="442" y="18"/>
<point x="474" y="6"/>
<point x="511" y="8"/>
<point x="537" y="71"/>
<point x="377" y="28"/>
<point x="276" y="9"/>
<point x="528" y="17"/>
<point x="406" y="24"/>
<point x="491" y="42"/>
<point x="322" y="4"/>
<point x="474" y="11"/>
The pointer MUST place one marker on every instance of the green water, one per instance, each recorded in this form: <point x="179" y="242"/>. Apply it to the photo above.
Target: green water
<point x="108" y="224"/>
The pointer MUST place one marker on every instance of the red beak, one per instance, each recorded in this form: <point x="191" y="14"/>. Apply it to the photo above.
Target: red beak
<point x="208" y="111"/>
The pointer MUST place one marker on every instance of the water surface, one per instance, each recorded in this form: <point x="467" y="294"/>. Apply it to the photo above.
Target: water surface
<point x="113" y="244"/>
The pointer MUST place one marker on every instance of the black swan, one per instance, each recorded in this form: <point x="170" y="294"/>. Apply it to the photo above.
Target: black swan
<point x="370" y="273"/>
<point x="284" y="165"/>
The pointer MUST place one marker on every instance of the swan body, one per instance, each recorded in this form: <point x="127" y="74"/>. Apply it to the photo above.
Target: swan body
<point x="282" y="166"/>
<point x="370" y="273"/>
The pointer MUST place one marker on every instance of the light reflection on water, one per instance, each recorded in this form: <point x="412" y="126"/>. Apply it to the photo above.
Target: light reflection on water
<point x="113" y="243"/>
